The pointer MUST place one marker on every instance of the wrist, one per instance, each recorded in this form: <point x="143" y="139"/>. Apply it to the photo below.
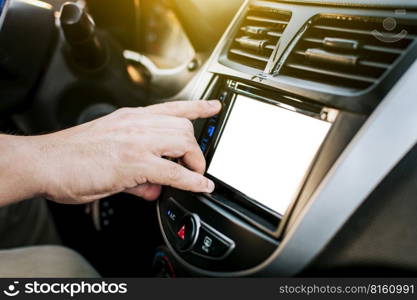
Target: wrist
<point x="20" y="168"/>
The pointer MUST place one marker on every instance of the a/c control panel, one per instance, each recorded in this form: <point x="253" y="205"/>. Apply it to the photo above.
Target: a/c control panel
<point x="191" y="234"/>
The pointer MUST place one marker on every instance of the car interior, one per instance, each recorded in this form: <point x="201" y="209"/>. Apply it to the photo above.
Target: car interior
<point x="313" y="155"/>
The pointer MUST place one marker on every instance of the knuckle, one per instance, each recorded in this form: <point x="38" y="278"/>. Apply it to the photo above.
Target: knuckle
<point x="188" y="125"/>
<point x="173" y="106"/>
<point x="129" y="151"/>
<point x="202" y="166"/>
<point x="125" y="113"/>
<point x="189" y="146"/>
<point x="127" y="156"/>
<point x="139" y="110"/>
<point x="140" y="180"/>
<point x="174" y="173"/>
<point x="189" y="142"/>
<point x="204" y="105"/>
<point x="123" y="110"/>
<point x="202" y="182"/>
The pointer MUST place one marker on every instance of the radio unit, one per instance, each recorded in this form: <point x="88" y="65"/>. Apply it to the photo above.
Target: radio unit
<point x="259" y="151"/>
<point x="261" y="146"/>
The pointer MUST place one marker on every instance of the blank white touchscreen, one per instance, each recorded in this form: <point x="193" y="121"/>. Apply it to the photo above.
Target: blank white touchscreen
<point x="265" y="151"/>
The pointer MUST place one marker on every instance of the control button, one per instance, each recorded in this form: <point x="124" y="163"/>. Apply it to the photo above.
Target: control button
<point x="211" y="244"/>
<point x="223" y="96"/>
<point x="203" y="147"/>
<point x="174" y="215"/>
<point x="213" y="120"/>
<point x="204" y="144"/>
<point x="181" y="233"/>
<point x="187" y="232"/>
<point x="210" y="130"/>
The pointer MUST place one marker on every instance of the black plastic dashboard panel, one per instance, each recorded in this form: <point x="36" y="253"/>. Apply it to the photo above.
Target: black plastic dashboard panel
<point x="252" y="245"/>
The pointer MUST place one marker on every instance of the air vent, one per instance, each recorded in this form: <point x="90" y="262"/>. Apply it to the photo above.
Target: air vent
<point x="258" y="35"/>
<point x="349" y="52"/>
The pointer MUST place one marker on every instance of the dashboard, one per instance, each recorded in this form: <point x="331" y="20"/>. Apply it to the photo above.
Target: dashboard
<point x="307" y="92"/>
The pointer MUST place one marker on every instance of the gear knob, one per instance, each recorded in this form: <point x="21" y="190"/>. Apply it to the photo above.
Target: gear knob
<point x="80" y="33"/>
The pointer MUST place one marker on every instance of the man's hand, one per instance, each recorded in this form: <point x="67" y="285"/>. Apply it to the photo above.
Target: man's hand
<point x="125" y="151"/>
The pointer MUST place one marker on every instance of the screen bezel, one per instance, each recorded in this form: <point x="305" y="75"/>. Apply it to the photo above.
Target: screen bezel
<point x="282" y="101"/>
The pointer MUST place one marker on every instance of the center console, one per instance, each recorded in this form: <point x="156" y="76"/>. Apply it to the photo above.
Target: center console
<point x="297" y="83"/>
<point x="262" y="151"/>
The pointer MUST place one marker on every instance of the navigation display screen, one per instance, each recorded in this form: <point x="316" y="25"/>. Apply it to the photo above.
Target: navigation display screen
<point x="265" y="151"/>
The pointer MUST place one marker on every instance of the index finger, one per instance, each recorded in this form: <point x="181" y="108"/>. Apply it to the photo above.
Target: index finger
<point x="190" y="110"/>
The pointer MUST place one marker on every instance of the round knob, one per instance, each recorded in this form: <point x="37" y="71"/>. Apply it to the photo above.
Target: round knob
<point x="76" y="23"/>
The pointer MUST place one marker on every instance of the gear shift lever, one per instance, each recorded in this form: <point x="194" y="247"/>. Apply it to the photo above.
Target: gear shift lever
<point x="80" y="32"/>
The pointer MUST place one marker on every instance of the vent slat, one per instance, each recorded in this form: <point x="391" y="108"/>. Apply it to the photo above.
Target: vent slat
<point x="344" y="52"/>
<point x="259" y="33"/>
<point x="357" y="31"/>
<point x="266" y="20"/>
<point x="333" y="73"/>
<point x="275" y="34"/>
<point x="338" y="29"/>
<point x="249" y="55"/>
<point x="365" y="47"/>
<point x="360" y="62"/>
<point x="374" y="64"/>
<point x="383" y="49"/>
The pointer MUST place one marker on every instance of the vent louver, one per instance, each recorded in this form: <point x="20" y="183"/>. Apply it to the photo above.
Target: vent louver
<point x="348" y="52"/>
<point x="258" y="35"/>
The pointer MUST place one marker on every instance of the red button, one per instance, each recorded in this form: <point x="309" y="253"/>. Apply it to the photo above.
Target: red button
<point x="181" y="233"/>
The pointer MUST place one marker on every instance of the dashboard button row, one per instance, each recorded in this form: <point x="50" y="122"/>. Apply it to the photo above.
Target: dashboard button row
<point x="191" y="234"/>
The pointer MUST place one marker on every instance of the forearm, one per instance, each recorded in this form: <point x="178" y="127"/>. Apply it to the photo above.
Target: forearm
<point x="123" y="152"/>
<point x="19" y="169"/>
